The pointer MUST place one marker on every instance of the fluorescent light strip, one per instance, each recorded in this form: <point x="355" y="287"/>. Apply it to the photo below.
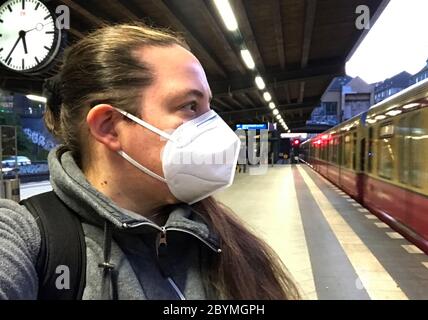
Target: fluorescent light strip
<point x="36" y="98"/>
<point x="226" y="13"/>
<point x="248" y="59"/>
<point x="411" y="105"/>
<point x="260" y="83"/>
<point x="267" y="96"/>
<point x="394" y="112"/>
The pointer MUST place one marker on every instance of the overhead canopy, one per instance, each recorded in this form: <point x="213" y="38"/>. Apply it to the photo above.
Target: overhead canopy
<point x="298" y="47"/>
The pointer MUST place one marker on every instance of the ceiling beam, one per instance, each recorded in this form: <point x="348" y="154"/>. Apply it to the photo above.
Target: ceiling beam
<point x="247" y="99"/>
<point x="219" y="103"/>
<point x="247" y="32"/>
<point x="287" y="92"/>
<point x="120" y="7"/>
<point x="279" y="34"/>
<point x="308" y="104"/>
<point x="235" y="104"/>
<point x="311" y="6"/>
<point x="301" y="91"/>
<point x="311" y="128"/>
<point x="197" y="44"/>
<point x="246" y="84"/>
<point x="76" y="33"/>
<point x="83" y="12"/>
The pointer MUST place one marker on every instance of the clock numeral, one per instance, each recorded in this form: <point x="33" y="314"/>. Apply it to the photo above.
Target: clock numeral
<point x="37" y="60"/>
<point x="50" y="32"/>
<point x="23" y="4"/>
<point x="48" y="16"/>
<point x="1" y="49"/>
<point x="10" y="9"/>
<point x="47" y="48"/>
<point x="9" y="61"/>
<point x="1" y="21"/>
<point x="23" y="64"/>
<point x="37" y="6"/>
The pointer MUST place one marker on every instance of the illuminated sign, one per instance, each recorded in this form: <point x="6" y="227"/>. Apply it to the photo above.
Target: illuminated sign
<point x="258" y="126"/>
<point x="387" y="131"/>
<point x="294" y="135"/>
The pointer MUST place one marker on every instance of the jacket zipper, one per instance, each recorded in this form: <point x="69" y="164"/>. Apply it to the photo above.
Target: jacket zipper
<point x="217" y="250"/>
<point x="164" y="230"/>
<point x="163" y="241"/>
<point x="162" y="245"/>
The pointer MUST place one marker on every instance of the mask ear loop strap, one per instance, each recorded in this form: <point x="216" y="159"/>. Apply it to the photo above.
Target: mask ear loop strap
<point x="146" y="125"/>
<point x="139" y="166"/>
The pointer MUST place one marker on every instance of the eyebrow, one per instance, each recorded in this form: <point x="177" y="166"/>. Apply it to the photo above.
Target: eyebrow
<point x="195" y="92"/>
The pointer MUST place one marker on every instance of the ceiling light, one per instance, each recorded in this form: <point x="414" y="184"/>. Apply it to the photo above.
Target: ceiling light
<point x="275" y="112"/>
<point x="36" y="98"/>
<point x="380" y="117"/>
<point x="248" y="59"/>
<point x="410" y="105"/>
<point x="267" y="96"/>
<point x="226" y="13"/>
<point x="272" y="105"/>
<point x="260" y="83"/>
<point x="278" y="116"/>
<point x="393" y="113"/>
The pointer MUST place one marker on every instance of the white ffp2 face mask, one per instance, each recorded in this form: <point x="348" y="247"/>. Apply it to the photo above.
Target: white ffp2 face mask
<point x="198" y="159"/>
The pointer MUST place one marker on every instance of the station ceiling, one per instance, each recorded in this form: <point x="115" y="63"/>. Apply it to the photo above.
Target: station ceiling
<point x="298" y="47"/>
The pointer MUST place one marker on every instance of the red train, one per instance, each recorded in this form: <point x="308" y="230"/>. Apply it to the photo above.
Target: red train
<point x="380" y="158"/>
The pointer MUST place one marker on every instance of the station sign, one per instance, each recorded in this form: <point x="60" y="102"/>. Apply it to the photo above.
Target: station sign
<point x="294" y="135"/>
<point x="257" y="126"/>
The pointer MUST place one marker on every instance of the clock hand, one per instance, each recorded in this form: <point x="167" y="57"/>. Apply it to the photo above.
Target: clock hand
<point x="30" y="30"/>
<point x="24" y="43"/>
<point x="36" y="26"/>
<point x="14" y="46"/>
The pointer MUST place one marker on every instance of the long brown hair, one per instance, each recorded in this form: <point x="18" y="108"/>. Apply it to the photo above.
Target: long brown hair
<point x="103" y="67"/>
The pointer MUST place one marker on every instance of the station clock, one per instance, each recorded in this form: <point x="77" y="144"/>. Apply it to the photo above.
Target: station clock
<point x="29" y="38"/>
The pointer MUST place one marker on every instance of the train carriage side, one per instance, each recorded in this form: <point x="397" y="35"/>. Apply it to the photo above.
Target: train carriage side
<point x="380" y="158"/>
<point x="396" y="176"/>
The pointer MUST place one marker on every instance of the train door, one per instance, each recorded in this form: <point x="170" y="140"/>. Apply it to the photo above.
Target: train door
<point x="340" y="159"/>
<point x="363" y="155"/>
<point x="362" y="170"/>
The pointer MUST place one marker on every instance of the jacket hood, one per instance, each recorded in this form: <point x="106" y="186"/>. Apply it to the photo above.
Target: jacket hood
<point x="72" y="187"/>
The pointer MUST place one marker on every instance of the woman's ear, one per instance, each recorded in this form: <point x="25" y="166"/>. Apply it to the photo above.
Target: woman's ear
<point x="102" y="121"/>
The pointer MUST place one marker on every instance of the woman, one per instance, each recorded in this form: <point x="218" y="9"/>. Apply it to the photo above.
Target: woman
<point x="126" y="97"/>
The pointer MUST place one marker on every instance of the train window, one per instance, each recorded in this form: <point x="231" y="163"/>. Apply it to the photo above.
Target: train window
<point x="339" y="150"/>
<point x="330" y="150"/>
<point x="354" y="151"/>
<point x="347" y="152"/>
<point x="403" y="131"/>
<point x="334" y="155"/>
<point x="418" y="148"/>
<point x="370" y="151"/>
<point x="386" y="153"/>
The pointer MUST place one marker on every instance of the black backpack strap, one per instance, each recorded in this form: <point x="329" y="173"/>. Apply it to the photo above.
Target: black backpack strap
<point x="62" y="244"/>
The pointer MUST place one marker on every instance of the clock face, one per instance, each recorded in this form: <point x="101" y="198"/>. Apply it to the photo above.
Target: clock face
<point x="29" y="39"/>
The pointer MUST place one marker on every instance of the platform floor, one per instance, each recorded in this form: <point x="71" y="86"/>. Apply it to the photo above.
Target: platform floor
<point x="333" y="247"/>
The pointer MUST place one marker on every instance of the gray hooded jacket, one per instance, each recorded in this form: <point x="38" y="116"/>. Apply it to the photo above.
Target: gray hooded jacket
<point x="131" y="241"/>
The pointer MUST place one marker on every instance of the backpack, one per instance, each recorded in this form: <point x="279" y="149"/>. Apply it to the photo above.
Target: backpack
<point x="62" y="244"/>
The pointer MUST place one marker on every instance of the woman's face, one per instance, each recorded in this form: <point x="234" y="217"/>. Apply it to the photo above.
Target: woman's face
<point x="180" y="92"/>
